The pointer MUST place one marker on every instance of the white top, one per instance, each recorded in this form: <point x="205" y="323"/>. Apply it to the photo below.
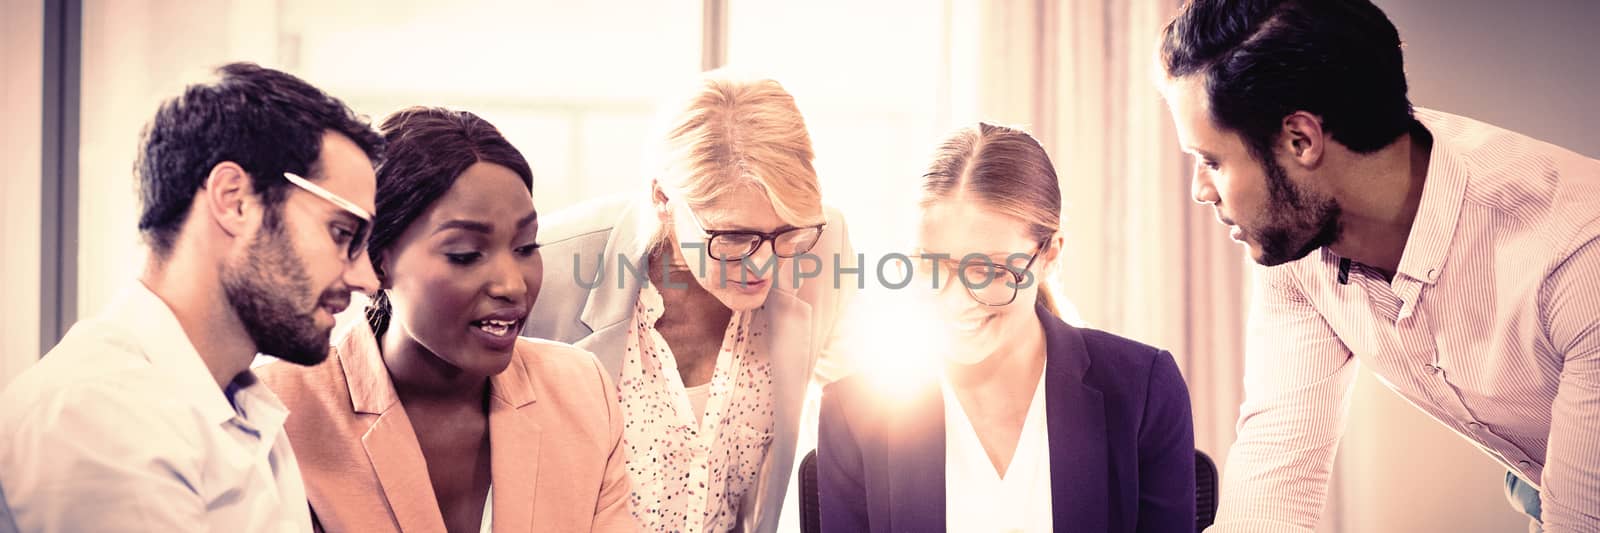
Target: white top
<point x="978" y="499"/>
<point x="122" y="428"/>
<point x="697" y="398"/>
<point x="1489" y="326"/>
<point x="692" y="473"/>
<point x="484" y="525"/>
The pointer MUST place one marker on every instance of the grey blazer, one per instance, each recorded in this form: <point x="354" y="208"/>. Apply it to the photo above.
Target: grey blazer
<point x="589" y="306"/>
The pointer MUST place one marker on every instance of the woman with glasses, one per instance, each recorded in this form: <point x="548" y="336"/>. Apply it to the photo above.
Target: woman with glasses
<point x="1022" y="422"/>
<point x="432" y="414"/>
<point x="689" y="295"/>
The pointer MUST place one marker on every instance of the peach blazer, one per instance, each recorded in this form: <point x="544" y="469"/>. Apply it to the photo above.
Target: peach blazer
<point x="554" y="436"/>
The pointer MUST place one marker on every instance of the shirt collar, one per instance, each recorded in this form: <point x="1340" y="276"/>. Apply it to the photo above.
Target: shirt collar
<point x="258" y="409"/>
<point x="164" y="343"/>
<point x="1440" y="208"/>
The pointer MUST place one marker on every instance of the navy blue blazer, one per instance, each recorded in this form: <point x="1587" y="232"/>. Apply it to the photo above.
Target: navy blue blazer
<point x="1121" y="443"/>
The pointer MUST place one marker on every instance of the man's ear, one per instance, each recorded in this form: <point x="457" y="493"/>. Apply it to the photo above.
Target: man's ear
<point x="1303" y="139"/>
<point x="230" y="199"/>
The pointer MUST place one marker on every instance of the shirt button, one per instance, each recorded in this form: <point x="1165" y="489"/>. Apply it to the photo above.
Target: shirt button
<point x="1433" y="274"/>
<point x="1475" y="426"/>
<point x="1430" y="368"/>
<point x="1524" y="464"/>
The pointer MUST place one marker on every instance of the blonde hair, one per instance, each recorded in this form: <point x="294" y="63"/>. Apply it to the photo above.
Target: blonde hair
<point x="740" y="132"/>
<point x="1004" y="169"/>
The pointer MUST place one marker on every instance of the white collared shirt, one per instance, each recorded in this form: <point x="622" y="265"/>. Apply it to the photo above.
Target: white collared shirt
<point x="979" y="499"/>
<point x="122" y="428"/>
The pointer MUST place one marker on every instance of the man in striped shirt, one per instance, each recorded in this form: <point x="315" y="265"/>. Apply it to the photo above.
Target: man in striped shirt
<point x="1461" y="261"/>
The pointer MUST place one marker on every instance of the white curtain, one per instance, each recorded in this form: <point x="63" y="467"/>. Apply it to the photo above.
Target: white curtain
<point x="1142" y="260"/>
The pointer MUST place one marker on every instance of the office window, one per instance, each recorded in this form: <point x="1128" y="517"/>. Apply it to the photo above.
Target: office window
<point x="870" y="79"/>
<point x="575" y="86"/>
<point x="571" y="84"/>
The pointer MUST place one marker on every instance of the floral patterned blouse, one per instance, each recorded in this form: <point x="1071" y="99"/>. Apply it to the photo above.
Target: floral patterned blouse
<point x="693" y="475"/>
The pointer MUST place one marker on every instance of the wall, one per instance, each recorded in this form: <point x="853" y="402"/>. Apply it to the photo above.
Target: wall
<point x="132" y="60"/>
<point x="21" y="59"/>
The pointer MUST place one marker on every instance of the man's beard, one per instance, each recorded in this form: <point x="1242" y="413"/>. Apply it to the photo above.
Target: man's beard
<point x="1294" y="224"/>
<point x="263" y="293"/>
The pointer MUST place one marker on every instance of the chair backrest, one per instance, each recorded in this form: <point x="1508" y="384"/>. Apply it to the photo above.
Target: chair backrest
<point x="810" y="501"/>
<point x="1205" y="491"/>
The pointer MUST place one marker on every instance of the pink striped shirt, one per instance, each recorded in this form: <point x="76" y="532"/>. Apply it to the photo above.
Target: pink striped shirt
<point x="1491" y="326"/>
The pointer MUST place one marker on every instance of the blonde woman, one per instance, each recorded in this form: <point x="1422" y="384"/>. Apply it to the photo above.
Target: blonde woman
<point x="1028" y="424"/>
<point x="690" y="293"/>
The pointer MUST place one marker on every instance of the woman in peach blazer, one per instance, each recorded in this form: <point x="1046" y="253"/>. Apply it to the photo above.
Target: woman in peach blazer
<point x="551" y="431"/>
<point x="432" y="414"/>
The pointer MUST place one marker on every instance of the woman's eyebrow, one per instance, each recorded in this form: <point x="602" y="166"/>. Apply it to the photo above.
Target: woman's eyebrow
<point x="466" y="225"/>
<point x="721" y="225"/>
<point x="478" y="226"/>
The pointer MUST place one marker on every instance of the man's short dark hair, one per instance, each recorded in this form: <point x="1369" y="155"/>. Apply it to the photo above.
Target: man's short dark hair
<point x="1262" y="60"/>
<point x="268" y="122"/>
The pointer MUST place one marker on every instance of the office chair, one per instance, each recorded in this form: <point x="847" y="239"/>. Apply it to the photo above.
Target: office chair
<point x="810" y="504"/>
<point x="1205" y="491"/>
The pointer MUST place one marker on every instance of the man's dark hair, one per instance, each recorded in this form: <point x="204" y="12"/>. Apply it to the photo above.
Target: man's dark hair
<point x="268" y="122"/>
<point x="1262" y="60"/>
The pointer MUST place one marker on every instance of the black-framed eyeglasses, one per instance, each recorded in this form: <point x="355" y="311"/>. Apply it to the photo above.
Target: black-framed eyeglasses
<point x="735" y="245"/>
<point x="354" y="240"/>
<point x="987" y="282"/>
